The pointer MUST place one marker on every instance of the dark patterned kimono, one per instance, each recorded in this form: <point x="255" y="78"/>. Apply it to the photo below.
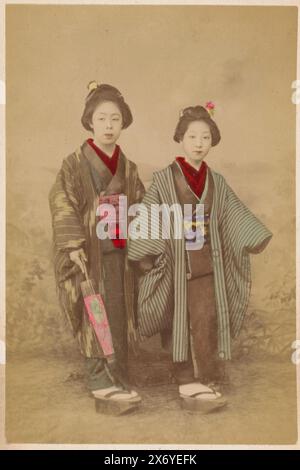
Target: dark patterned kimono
<point x="74" y="199"/>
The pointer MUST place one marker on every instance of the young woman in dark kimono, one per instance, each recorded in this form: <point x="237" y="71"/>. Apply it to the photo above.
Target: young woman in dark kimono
<point x="198" y="295"/>
<point x="98" y="168"/>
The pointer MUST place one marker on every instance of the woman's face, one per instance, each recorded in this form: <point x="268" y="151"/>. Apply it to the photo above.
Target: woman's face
<point x="106" y="123"/>
<point x="196" y="141"/>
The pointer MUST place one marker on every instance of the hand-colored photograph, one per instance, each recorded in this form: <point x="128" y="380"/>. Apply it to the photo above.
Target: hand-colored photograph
<point x="151" y="225"/>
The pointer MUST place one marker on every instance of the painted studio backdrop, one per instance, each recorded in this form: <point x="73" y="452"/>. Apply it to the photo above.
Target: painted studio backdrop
<point x="163" y="59"/>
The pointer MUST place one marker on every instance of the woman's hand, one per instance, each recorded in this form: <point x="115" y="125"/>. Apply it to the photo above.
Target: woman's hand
<point x="78" y="257"/>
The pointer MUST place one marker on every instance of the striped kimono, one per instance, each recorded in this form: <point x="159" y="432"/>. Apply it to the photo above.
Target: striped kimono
<point x="234" y="233"/>
<point x="74" y="199"/>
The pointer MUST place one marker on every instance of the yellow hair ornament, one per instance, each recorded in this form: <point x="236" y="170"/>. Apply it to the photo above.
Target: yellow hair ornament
<point x="92" y="85"/>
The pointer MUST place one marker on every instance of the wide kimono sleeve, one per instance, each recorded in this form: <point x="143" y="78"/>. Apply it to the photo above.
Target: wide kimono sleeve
<point x="141" y="248"/>
<point x="135" y="191"/>
<point x="242" y="233"/>
<point x="155" y="299"/>
<point x="66" y="202"/>
<point x="66" y="205"/>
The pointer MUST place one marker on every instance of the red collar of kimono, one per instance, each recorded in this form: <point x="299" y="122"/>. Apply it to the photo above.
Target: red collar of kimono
<point x="196" y="179"/>
<point x="110" y="162"/>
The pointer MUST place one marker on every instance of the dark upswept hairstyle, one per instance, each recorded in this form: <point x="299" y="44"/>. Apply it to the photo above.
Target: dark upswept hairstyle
<point x="196" y="113"/>
<point x="98" y="95"/>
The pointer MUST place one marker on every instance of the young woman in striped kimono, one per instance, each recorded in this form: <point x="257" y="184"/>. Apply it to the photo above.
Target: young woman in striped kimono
<point x="200" y="295"/>
<point x="97" y="168"/>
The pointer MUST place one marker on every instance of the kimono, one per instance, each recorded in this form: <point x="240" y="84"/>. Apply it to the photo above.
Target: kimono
<point x="74" y="199"/>
<point x="198" y="295"/>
